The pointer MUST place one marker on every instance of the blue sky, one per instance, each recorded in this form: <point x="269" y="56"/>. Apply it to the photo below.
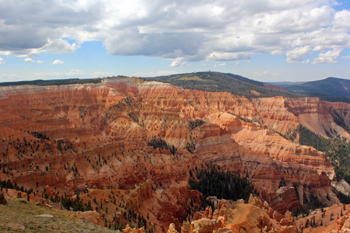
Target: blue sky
<point x="265" y="40"/>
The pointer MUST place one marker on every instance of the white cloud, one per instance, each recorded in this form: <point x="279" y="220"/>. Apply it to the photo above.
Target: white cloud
<point x="277" y="52"/>
<point x="222" y="64"/>
<point x="40" y="62"/>
<point x="237" y="63"/>
<point x="203" y="64"/>
<point x="75" y="72"/>
<point x="70" y="74"/>
<point x="154" y="74"/>
<point x="298" y="54"/>
<point x="180" y="61"/>
<point x="328" y="57"/>
<point x="2" y="60"/>
<point x="223" y="56"/>
<point x="57" y="62"/>
<point x="28" y="60"/>
<point x="180" y="31"/>
<point x="10" y="77"/>
<point x="306" y="62"/>
<point x="262" y="73"/>
<point x="346" y="57"/>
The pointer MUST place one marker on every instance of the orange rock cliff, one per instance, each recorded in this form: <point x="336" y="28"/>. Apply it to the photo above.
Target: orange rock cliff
<point x="97" y="135"/>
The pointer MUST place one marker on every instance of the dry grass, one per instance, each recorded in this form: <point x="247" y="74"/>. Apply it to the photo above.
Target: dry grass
<point x="196" y="78"/>
<point x="26" y="213"/>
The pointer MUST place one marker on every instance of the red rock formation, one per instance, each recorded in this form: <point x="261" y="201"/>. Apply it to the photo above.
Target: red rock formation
<point x="93" y="216"/>
<point x="283" y="200"/>
<point x="238" y="217"/>
<point x="98" y="134"/>
<point x="2" y="199"/>
<point x="172" y="228"/>
<point x="132" y="230"/>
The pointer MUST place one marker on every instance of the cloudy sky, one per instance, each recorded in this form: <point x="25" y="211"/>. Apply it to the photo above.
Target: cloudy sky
<point x="265" y="40"/>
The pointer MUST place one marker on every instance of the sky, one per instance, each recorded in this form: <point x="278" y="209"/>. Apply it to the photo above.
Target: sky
<point x="264" y="40"/>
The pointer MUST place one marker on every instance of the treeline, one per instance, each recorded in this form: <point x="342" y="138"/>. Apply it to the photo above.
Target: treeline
<point x="211" y="181"/>
<point x="157" y="142"/>
<point x="9" y="185"/>
<point x="75" y="204"/>
<point x="39" y="135"/>
<point x="336" y="149"/>
<point x="311" y="202"/>
<point x="52" y="82"/>
<point x="195" y="123"/>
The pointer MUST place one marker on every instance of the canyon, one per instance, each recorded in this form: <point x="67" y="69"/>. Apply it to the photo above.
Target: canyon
<point x="132" y="143"/>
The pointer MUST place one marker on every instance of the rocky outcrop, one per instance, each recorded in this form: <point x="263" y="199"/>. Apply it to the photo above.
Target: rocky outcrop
<point x="172" y="228"/>
<point x="283" y="200"/>
<point x="2" y="199"/>
<point x="343" y="224"/>
<point x="207" y="225"/>
<point x="92" y="216"/>
<point x="232" y="217"/>
<point x="342" y="186"/>
<point x="128" y="229"/>
<point x="140" y="193"/>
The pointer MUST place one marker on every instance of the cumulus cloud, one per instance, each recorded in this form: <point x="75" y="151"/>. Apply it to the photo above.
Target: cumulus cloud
<point x="262" y="73"/>
<point x="74" y="73"/>
<point x="40" y="62"/>
<point x="2" y="60"/>
<point x="10" y="77"/>
<point x="222" y="64"/>
<point x="344" y="57"/>
<point x="181" y="31"/>
<point x="70" y="74"/>
<point x="155" y="73"/>
<point x="57" y="62"/>
<point x="298" y="54"/>
<point x="328" y="57"/>
<point x="180" y="61"/>
<point x="28" y="60"/>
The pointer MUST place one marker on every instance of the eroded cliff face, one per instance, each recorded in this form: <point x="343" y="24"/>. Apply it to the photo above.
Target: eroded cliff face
<point x="236" y="217"/>
<point x="99" y="134"/>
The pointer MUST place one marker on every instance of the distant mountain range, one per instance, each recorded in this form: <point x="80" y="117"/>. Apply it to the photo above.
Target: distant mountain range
<point x="285" y="83"/>
<point x="328" y="86"/>
<point x="330" y="89"/>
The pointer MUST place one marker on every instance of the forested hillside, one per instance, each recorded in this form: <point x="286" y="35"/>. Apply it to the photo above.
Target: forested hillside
<point x="223" y="82"/>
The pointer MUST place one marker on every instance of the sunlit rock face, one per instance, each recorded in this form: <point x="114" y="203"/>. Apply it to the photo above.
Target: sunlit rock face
<point x="99" y="135"/>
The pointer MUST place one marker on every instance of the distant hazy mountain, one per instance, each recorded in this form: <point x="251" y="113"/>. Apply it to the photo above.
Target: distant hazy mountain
<point x="285" y="84"/>
<point x="331" y="89"/>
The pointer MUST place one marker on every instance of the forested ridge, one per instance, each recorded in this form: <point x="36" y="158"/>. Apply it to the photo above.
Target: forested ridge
<point x="336" y="149"/>
<point x="222" y="82"/>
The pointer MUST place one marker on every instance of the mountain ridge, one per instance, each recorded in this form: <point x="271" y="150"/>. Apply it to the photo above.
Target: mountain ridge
<point x="330" y="86"/>
<point x="224" y="82"/>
